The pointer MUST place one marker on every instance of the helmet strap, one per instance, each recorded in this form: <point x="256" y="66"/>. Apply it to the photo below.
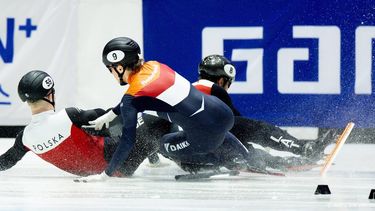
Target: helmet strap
<point x="120" y="75"/>
<point x="52" y="102"/>
<point x="227" y="81"/>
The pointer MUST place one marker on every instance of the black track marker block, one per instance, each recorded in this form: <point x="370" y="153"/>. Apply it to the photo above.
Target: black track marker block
<point x="322" y="189"/>
<point x="372" y="194"/>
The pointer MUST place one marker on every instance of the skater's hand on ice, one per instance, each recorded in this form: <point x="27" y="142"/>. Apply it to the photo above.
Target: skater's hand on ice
<point x="93" y="178"/>
<point x="105" y="119"/>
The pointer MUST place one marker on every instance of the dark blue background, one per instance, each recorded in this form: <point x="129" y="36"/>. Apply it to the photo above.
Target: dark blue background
<point x="173" y="35"/>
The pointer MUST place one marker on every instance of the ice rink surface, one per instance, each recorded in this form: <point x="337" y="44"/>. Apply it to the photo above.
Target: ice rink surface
<point x="36" y="185"/>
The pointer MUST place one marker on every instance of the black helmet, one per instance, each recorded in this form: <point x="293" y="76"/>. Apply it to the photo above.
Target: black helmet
<point x="121" y="50"/>
<point x="35" y="85"/>
<point x="216" y="66"/>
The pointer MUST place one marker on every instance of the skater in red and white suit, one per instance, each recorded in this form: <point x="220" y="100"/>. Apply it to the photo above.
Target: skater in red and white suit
<point x="58" y="137"/>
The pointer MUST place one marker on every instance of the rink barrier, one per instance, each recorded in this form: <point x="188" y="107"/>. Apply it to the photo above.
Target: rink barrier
<point x="10" y="131"/>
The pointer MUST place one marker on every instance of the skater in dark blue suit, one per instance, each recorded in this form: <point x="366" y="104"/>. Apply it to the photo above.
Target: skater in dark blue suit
<point x="154" y="86"/>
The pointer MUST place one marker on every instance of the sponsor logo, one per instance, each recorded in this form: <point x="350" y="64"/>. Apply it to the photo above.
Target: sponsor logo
<point x="288" y="143"/>
<point x="7" y="45"/>
<point x="200" y="109"/>
<point x="175" y="147"/>
<point x="140" y="121"/>
<point x="152" y="75"/>
<point x="48" y="144"/>
<point x="328" y="54"/>
<point x="7" y="50"/>
<point x="5" y="94"/>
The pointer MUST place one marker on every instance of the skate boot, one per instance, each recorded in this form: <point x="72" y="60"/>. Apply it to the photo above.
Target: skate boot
<point x="265" y="163"/>
<point x="194" y="168"/>
<point x="298" y="164"/>
<point x="153" y="159"/>
<point x="257" y="158"/>
<point x="155" y="162"/>
<point x="314" y="150"/>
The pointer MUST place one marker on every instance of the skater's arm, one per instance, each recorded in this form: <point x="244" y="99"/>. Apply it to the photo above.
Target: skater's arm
<point x="82" y="117"/>
<point x="14" y="154"/>
<point x="127" y="140"/>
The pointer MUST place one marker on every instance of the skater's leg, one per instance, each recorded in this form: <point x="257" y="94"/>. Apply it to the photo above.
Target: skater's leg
<point x="252" y="131"/>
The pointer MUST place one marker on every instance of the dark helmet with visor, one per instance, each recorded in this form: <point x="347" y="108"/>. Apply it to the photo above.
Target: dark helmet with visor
<point x="214" y="67"/>
<point x="36" y="85"/>
<point x="121" y="51"/>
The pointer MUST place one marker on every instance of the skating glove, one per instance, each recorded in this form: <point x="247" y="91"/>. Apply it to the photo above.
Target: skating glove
<point x="104" y="119"/>
<point x="93" y="178"/>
